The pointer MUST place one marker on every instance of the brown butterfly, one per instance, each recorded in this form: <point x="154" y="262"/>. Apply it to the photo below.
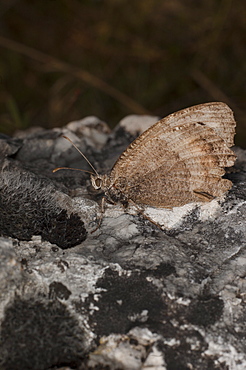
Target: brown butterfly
<point x="178" y="160"/>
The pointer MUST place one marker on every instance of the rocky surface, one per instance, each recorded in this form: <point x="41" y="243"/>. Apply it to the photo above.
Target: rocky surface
<point x="129" y="295"/>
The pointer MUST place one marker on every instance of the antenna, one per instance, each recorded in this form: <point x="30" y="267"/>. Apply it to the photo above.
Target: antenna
<point x="77" y="169"/>
<point x="70" y="168"/>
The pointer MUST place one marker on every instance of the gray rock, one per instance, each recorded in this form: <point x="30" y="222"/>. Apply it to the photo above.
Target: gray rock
<point x="129" y="295"/>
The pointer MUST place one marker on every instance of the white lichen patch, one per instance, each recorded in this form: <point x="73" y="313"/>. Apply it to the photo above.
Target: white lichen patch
<point x="155" y="360"/>
<point x="169" y="218"/>
<point x="136" y="124"/>
<point x="128" y="351"/>
<point x="92" y="129"/>
<point x="227" y="354"/>
<point x="173" y="218"/>
<point x="209" y="210"/>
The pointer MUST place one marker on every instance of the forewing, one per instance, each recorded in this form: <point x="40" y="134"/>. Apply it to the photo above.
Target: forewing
<point x="180" y="159"/>
<point x="216" y="115"/>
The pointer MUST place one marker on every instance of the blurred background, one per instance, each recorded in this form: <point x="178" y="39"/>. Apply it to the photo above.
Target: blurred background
<point x="61" y="60"/>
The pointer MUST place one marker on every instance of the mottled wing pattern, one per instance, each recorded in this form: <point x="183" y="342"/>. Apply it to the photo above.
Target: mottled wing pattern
<point x="180" y="159"/>
<point x="216" y="115"/>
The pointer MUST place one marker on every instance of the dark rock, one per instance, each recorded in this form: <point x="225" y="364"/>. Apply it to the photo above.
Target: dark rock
<point x="28" y="206"/>
<point x="37" y="335"/>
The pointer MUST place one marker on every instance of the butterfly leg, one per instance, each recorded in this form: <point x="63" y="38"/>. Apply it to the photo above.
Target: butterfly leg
<point x="101" y="215"/>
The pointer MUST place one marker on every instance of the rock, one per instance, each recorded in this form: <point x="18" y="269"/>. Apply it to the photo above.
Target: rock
<point x="128" y="295"/>
<point x="92" y="129"/>
<point x="136" y="126"/>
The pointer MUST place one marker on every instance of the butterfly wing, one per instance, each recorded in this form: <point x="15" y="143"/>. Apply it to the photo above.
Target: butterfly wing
<point x="180" y="159"/>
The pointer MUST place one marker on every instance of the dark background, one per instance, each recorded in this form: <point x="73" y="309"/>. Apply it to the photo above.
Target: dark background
<point x="62" y="60"/>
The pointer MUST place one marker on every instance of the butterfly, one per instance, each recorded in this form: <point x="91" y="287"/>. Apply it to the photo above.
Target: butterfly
<point x="178" y="160"/>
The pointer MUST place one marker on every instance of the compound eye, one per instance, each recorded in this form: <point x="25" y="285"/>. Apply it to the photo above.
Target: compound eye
<point x="98" y="182"/>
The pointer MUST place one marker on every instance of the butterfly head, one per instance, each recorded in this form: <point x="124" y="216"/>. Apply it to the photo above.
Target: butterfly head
<point x="99" y="182"/>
